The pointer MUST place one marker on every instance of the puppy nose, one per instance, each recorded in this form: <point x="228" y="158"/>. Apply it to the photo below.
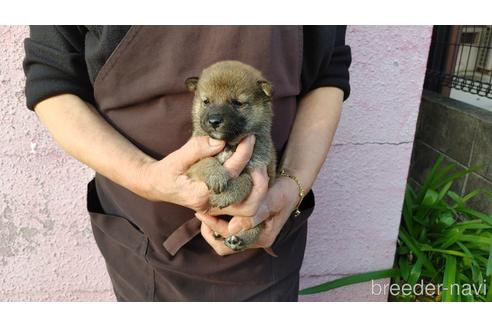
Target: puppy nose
<point x="215" y="120"/>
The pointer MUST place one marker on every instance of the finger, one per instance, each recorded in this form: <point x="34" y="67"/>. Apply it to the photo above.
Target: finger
<point x="268" y="234"/>
<point x="260" y="178"/>
<point x="217" y="245"/>
<point x="193" y="194"/>
<point x="242" y="223"/>
<point x="252" y="203"/>
<point x="197" y="148"/>
<point x="237" y="162"/>
<point x="216" y="224"/>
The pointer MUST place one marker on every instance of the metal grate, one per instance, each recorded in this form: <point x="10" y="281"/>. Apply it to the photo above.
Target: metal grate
<point x="460" y="57"/>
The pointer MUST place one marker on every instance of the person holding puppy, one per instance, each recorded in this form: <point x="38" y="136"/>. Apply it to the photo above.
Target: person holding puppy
<point x="114" y="98"/>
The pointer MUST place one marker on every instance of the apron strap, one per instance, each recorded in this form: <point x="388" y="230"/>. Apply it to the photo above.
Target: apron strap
<point x="186" y="232"/>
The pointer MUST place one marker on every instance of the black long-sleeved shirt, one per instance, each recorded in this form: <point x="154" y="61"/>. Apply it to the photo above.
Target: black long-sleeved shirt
<point x="67" y="59"/>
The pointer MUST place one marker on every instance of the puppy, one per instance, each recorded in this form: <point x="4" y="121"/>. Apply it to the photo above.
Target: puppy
<point x="232" y="100"/>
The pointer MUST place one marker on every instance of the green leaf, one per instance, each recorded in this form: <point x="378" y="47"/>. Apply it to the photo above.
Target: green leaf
<point x="402" y="250"/>
<point x="477" y="247"/>
<point x="471" y="195"/>
<point x="354" y="279"/>
<point x="487" y="194"/>
<point x="477" y="276"/>
<point x="457" y="297"/>
<point x="456" y="176"/>
<point x="427" y="248"/>
<point x="408" y="210"/>
<point x="448" y="238"/>
<point x="446" y="218"/>
<point x="489" y="291"/>
<point x="472" y="224"/>
<point x="476" y="214"/>
<point x="467" y="297"/>
<point x="480" y="260"/>
<point x="488" y="271"/>
<point x="430" y="197"/>
<point x="467" y="261"/>
<point x="457" y="199"/>
<point x="411" y="244"/>
<point x="476" y="240"/>
<point x="463" y="278"/>
<point x="415" y="273"/>
<point x="404" y="267"/>
<point x="449" y="279"/>
<point x="410" y="190"/>
<point x="444" y="190"/>
<point x="429" y="178"/>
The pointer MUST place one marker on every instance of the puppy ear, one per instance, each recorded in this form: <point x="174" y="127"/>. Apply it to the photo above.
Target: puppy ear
<point x="191" y="83"/>
<point x="266" y="87"/>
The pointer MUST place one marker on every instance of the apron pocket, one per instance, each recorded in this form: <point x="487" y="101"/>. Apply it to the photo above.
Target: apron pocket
<point x="124" y="247"/>
<point x="121" y="230"/>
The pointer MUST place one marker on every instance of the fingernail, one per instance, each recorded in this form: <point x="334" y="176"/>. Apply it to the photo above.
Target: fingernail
<point x="252" y="139"/>
<point x="214" y="142"/>
<point x="235" y="227"/>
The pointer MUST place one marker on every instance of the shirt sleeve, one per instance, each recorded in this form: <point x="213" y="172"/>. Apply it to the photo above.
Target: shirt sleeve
<point x="54" y="64"/>
<point x="326" y="59"/>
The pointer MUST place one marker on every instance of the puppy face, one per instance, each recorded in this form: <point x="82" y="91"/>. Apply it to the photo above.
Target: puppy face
<point x="231" y="101"/>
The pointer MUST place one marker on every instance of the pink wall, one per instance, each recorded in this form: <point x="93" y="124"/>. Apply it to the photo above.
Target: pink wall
<point x="47" y="250"/>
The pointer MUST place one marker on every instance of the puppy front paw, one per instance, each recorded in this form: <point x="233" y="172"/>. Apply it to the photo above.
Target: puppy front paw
<point x="221" y="200"/>
<point x="217" y="181"/>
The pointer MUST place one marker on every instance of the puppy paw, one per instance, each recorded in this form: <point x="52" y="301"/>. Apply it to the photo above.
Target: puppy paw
<point x="235" y="243"/>
<point x="221" y="200"/>
<point x="243" y="239"/>
<point x="217" y="181"/>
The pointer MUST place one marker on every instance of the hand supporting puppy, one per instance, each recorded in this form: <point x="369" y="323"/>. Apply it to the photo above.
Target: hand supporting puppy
<point x="273" y="211"/>
<point x="166" y="180"/>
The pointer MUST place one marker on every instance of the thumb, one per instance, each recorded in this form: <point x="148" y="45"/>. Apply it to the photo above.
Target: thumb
<point x="197" y="148"/>
<point x="241" y="223"/>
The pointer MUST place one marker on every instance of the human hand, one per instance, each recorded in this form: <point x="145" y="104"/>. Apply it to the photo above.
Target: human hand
<point x="249" y="206"/>
<point x="166" y="180"/>
<point x="272" y="213"/>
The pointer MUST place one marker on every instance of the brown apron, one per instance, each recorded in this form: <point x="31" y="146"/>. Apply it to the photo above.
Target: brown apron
<point x="154" y="250"/>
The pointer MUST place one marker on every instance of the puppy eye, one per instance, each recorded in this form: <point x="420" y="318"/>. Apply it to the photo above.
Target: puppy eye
<point x="206" y="101"/>
<point x="236" y="103"/>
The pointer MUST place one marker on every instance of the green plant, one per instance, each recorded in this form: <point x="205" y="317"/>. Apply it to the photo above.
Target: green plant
<point x="442" y="242"/>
